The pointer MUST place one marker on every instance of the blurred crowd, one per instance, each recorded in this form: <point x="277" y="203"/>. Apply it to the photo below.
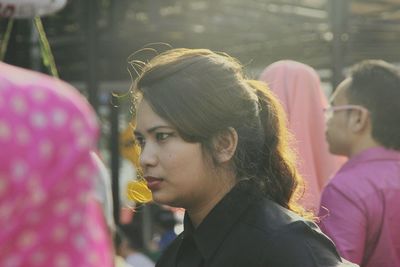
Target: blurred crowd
<point x="341" y="199"/>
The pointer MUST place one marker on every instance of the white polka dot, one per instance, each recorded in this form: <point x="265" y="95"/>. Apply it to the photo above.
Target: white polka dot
<point x="37" y="196"/>
<point x="27" y="239"/>
<point x="83" y="172"/>
<point x="18" y="104"/>
<point x="12" y="261"/>
<point x="62" y="260"/>
<point x="3" y="185"/>
<point x="75" y="219"/>
<point x="38" y="258"/>
<point x="59" y="117"/>
<point x="96" y="232"/>
<point x="77" y="125"/>
<point x="84" y="142"/>
<point x="46" y="149"/>
<point x="38" y="120"/>
<point x="79" y="242"/>
<point x="5" y="131"/>
<point x="59" y="233"/>
<point x="5" y="211"/>
<point x="23" y="136"/>
<point x="38" y="95"/>
<point x="93" y="257"/>
<point x="83" y="198"/>
<point x="19" y="170"/>
<point x="61" y="207"/>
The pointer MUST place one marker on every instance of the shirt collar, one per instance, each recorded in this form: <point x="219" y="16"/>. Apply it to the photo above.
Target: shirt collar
<point x="372" y="154"/>
<point x="215" y="227"/>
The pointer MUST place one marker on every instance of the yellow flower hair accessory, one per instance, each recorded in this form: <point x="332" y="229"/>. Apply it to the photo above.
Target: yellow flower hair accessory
<point x="138" y="191"/>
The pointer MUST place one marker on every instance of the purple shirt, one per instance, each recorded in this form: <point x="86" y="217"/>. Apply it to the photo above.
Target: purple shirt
<point x="363" y="202"/>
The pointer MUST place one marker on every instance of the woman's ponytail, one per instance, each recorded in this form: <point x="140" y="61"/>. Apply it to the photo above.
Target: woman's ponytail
<point x="278" y="175"/>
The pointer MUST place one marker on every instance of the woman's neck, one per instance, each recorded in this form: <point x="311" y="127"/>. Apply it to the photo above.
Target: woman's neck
<point x="197" y="213"/>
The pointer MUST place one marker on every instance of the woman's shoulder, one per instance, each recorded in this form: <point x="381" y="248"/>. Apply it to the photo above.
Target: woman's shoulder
<point x="288" y="238"/>
<point x="269" y="217"/>
<point x="303" y="242"/>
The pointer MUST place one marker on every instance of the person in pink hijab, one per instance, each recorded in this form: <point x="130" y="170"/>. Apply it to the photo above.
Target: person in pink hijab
<point x="48" y="213"/>
<point x="298" y="87"/>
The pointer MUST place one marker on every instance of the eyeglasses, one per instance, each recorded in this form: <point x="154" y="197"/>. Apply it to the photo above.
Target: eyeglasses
<point x="331" y="109"/>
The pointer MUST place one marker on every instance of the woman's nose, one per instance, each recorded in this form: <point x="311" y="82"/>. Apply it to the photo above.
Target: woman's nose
<point x="148" y="156"/>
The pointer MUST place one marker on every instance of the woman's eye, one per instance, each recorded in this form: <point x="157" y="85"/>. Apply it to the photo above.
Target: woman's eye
<point x="140" y="141"/>
<point x="162" y="136"/>
<point x="129" y="143"/>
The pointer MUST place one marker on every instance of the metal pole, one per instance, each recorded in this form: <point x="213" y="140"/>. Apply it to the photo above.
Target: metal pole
<point x="91" y="33"/>
<point x="338" y="11"/>
<point x="35" y="48"/>
<point x="147" y="222"/>
<point x="115" y="156"/>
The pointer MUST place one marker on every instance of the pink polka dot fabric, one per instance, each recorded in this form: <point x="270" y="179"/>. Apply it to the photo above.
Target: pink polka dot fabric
<point x="48" y="216"/>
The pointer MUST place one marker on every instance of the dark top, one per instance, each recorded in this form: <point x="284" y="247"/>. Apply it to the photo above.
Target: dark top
<point x="247" y="230"/>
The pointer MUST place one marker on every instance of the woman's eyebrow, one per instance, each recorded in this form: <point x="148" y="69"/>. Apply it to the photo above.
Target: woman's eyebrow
<point x="153" y="129"/>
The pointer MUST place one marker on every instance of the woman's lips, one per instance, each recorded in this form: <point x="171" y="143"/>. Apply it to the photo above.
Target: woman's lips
<point x="153" y="183"/>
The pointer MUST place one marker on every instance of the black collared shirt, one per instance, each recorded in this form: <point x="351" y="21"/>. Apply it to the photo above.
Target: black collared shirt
<point x="246" y="230"/>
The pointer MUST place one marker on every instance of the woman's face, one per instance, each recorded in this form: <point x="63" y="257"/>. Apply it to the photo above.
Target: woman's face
<point x="177" y="172"/>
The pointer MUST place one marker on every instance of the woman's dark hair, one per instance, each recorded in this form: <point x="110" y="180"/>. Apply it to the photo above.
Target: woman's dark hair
<point x="202" y="94"/>
<point x="375" y="84"/>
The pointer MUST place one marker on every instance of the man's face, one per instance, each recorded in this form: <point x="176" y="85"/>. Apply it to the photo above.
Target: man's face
<point x="338" y="134"/>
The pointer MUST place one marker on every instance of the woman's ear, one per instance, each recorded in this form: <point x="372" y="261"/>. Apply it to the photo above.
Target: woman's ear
<point x="225" y="144"/>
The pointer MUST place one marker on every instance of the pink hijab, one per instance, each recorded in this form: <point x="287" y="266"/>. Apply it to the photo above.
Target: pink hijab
<point x="48" y="216"/>
<point x="298" y="88"/>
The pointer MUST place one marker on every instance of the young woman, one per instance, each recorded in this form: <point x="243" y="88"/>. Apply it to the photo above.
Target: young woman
<point x="215" y="144"/>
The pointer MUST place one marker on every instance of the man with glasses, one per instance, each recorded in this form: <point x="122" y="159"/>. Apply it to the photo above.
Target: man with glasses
<point x="360" y="206"/>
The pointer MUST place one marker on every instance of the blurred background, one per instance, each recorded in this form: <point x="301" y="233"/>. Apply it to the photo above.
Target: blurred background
<point x="91" y="41"/>
<point x="95" y="37"/>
